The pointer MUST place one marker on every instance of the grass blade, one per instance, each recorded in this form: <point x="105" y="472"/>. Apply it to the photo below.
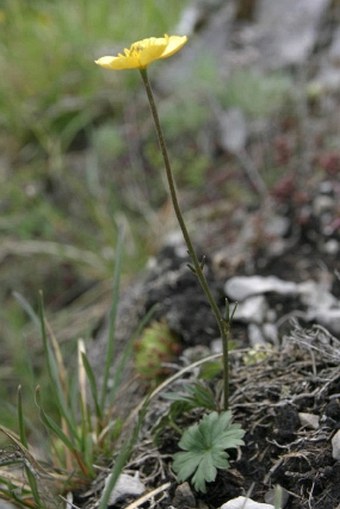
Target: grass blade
<point x="93" y="385"/>
<point x="51" y="425"/>
<point x="126" y="354"/>
<point x="122" y="458"/>
<point x="110" y="351"/>
<point x="54" y="373"/>
<point x="21" y="422"/>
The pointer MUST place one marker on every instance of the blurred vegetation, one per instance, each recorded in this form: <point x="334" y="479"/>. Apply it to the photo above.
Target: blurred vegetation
<point x="64" y="168"/>
<point x="78" y="156"/>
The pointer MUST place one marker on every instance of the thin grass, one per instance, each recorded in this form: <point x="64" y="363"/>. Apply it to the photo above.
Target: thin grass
<point x="78" y="438"/>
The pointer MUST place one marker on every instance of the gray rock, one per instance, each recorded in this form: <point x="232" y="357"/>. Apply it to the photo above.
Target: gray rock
<point x="255" y="335"/>
<point x="331" y="247"/>
<point x="309" y="420"/>
<point x="240" y="287"/>
<point x="290" y="29"/>
<point x="245" y="503"/>
<point x="271" y="333"/>
<point x="278" y="496"/>
<point x="336" y="445"/>
<point x="6" y="505"/>
<point x="316" y="295"/>
<point x="329" y="318"/>
<point x="252" y="309"/>
<point x="126" y="486"/>
<point x="233" y="130"/>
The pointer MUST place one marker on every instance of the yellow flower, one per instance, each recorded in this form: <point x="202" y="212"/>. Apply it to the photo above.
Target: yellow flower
<point x="144" y="52"/>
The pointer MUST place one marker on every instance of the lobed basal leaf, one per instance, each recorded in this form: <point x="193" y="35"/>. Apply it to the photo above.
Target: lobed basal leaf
<point x="204" y="447"/>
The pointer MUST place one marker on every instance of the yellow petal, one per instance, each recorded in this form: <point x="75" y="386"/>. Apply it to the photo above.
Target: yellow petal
<point x="144" y="52"/>
<point x="118" y="63"/>
<point x="174" y="44"/>
<point x="151" y="51"/>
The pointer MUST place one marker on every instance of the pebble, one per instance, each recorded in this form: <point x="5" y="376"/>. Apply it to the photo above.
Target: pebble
<point x="126" y="486"/>
<point x="245" y="503"/>
<point x="329" y="318"/>
<point x="336" y="445"/>
<point x="240" y="287"/>
<point x="315" y="295"/>
<point x="255" y="335"/>
<point x="331" y="247"/>
<point x="277" y="494"/>
<point x="252" y="309"/>
<point x="309" y="420"/>
<point x="271" y="333"/>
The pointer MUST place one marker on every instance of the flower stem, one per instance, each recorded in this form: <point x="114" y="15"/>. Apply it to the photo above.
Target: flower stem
<point x="223" y="323"/>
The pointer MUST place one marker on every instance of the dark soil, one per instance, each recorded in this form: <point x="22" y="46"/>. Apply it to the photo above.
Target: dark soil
<point x="296" y="373"/>
<point x="269" y="391"/>
<point x="268" y="399"/>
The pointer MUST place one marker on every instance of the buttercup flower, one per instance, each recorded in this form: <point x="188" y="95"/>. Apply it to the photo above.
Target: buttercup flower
<point x="144" y="52"/>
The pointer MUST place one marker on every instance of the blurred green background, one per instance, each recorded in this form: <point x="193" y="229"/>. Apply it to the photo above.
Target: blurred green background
<point x="78" y="158"/>
<point x="70" y="167"/>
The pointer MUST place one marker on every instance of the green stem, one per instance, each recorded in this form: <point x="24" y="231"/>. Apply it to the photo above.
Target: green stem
<point x="223" y="324"/>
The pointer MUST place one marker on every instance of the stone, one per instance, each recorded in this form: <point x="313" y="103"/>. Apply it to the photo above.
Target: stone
<point x="309" y="420"/>
<point x="271" y="333"/>
<point x="329" y="318"/>
<point x="233" y="130"/>
<point x="245" y="503"/>
<point x="252" y="309"/>
<point x="336" y="445"/>
<point x="255" y="335"/>
<point x="277" y="495"/>
<point x="126" y="486"/>
<point x="290" y="29"/>
<point x="315" y="295"/>
<point x="240" y="287"/>
<point x="184" y="497"/>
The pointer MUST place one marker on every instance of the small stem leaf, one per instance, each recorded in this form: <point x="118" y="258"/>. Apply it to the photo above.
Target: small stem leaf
<point x="191" y="268"/>
<point x="203" y="261"/>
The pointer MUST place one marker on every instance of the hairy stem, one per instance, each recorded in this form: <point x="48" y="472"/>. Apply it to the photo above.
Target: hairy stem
<point x="223" y="323"/>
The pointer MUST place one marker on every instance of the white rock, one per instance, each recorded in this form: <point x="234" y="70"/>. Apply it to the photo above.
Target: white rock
<point x="331" y="247"/>
<point x="233" y="130"/>
<point x="334" y="51"/>
<point x="322" y="203"/>
<point x="251" y="310"/>
<point x="240" y="287"/>
<point x="315" y="295"/>
<point x="336" y="445"/>
<point x="125" y="486"/>
<point x="277" y="226"/>
<point x="255" y="335"/>
<point x="290" y="29"/>
<point x="245" y="503"/>
<point x="271" y="333"/>
<point x="309" y="420"/>
<point x="329" y="318"/>
<point x="275" y="495"/>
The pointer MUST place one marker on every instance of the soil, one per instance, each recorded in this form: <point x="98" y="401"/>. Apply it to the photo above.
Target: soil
<point x="272" y="388"/>
<point x="287" y="395"/>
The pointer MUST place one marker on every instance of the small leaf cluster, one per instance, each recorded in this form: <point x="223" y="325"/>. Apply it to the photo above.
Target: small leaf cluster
<point x="195" y="395"/>
<point x="204" y="447"/>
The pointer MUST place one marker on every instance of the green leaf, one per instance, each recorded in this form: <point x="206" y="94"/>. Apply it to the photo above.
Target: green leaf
<point x="93" y="385"/>
<point x="196" y="395"/>
<point x="205" y="445"/>
<point x="111" y="343"/>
